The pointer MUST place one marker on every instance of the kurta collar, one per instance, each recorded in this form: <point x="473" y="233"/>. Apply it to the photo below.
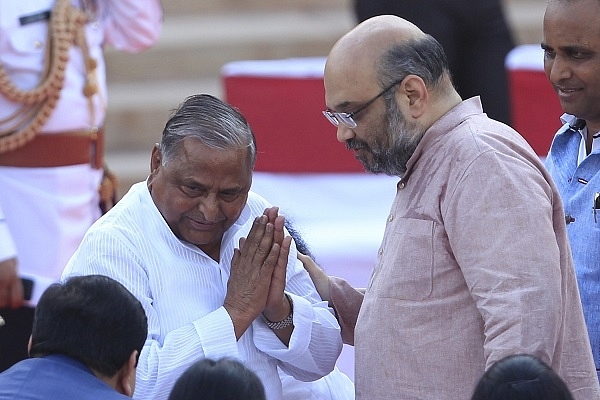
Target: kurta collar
<point x="445" y="124"/>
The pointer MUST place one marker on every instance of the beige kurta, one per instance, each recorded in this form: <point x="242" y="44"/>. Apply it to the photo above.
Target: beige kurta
<point x="474" y="265"/>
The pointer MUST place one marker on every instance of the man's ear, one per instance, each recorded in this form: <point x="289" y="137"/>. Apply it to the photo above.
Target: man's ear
<point x="126" y="383"/>
<point x="415" y="96"/>
<point x="155" y="162"/>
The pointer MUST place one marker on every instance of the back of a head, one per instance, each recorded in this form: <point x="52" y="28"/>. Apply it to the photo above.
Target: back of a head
<point x="521" y="377"/>
<point x="224" y="379"/>
<point x="421" y="56"/>
<point x="93" y="319"/>
<point x="211" y="121"/>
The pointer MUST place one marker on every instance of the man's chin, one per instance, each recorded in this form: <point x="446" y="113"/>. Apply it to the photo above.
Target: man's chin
<point x="371" y="168"/>
<point x="367" y="164"/>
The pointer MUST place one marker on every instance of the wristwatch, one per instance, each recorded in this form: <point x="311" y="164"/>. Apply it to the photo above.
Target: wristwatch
<point x="284" y="323"/>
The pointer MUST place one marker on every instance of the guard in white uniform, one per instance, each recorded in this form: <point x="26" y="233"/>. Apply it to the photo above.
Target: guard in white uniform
<point x="52" y="107"/>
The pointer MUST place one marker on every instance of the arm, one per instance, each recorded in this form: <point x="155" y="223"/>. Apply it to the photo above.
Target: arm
<point x="499" y="224"/>
<point x="11" y="289"/>
<point x="132" y="25"/>
<point x="341" y="296"/>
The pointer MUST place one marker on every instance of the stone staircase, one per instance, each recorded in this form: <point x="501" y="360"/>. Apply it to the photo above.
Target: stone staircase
<point x="200" y="36"/>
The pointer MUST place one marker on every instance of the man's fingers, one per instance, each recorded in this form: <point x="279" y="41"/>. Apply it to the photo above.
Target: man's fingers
<point x="255" y="236"/>
<point x="4" y="300"/>
<point x="266" y="248"/>
<point x="271" y="213"/>
<point x="11" y="288"/>
<point x="16" y="294"/>
<point x="317" y="275"/>
<point x="11" y="294"/>
<point x="281" y="267"/>
<point x="279" y="232"/>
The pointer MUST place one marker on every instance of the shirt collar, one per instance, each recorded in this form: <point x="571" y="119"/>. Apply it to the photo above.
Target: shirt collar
<point x="445" y="124"/>
<point x="570" y="120"/>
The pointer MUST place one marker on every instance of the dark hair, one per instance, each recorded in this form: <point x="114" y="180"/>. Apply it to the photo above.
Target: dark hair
<point x="93" y="319"/>
<point x="521" y="377"/>
<point x="211" y="121"/>
<point x="224" y="379"/>
<point x="301" y="244"/>
<point x="422" y="56"/>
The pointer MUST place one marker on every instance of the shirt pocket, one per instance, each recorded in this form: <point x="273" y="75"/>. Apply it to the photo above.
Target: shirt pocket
<point x="22" y="52"/>
<point x="30" y="38"/>
<point x="405" y="267"/>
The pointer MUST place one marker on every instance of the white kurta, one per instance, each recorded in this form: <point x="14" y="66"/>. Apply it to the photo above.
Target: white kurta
<point x="182" y="291"/>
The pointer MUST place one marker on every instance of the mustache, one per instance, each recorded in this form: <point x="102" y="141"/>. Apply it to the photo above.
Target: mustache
<point x="201" y="219"/>
<point x="354" y="144"/>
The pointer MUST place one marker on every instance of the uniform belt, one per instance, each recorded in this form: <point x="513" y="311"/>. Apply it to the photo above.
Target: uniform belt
<point x="58" y="149"/>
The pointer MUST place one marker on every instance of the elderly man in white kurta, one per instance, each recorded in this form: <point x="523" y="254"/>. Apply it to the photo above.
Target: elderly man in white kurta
<point x="173" y="242"/>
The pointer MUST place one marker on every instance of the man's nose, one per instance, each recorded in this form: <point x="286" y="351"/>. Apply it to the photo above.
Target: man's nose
<point x="344" y="133"/>
<point x="209" y="207"/>
<point x="559" y="70"/>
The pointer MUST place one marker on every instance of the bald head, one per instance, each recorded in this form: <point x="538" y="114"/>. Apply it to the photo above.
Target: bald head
<point x="383" y="51"/>
<point x="362" y="47"/>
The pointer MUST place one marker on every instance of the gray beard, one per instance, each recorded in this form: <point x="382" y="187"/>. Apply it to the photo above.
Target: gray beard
<point x="391" y="159"/>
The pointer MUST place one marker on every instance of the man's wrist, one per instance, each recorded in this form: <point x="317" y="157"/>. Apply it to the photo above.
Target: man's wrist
<point x="284" y="323"/>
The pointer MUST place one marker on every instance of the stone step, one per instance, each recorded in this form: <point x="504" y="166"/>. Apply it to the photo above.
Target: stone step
<point x="137" y="112"/>
<point x="193" y="46"/>
<point x="525" y="18"/>
<point x="130" y="167"/>
<point x="173" y="7"/>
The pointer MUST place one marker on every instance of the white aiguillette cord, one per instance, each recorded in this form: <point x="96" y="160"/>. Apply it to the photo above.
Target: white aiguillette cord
<point x="65" y="28"/>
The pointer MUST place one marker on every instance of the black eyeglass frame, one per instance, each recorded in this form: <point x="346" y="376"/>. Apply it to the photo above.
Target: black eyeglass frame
<point x="347" y="118"/>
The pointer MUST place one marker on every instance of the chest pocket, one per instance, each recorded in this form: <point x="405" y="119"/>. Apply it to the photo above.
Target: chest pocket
<point x="404" y="268"/>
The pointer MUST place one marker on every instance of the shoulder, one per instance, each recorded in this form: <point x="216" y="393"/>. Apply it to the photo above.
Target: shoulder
<point x="256" y="201"/>
<point x="482" y="140"/>
<point x="46" y="378"/>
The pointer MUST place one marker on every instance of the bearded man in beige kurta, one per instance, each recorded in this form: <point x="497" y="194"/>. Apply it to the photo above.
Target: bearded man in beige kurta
<point x="475" y="263"/>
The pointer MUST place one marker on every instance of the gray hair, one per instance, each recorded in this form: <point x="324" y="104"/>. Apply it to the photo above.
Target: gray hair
<point x="211" y="121"/>
<point x="423" y="57"/>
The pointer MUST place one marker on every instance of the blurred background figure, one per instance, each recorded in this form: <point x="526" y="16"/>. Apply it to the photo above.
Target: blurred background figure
<point x="474" y="35"/>
<point x="223" y="379"/>
<point x="521" y="377"/>
<point x="52" y="108"/>
<point x="87" y="336"/>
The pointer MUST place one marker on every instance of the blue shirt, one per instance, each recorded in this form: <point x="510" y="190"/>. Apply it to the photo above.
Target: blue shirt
<point x="577" y="185"/>
<point x="54" y="377"/>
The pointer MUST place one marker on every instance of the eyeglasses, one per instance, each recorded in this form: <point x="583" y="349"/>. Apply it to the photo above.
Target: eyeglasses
<point x="348" y="118"/>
